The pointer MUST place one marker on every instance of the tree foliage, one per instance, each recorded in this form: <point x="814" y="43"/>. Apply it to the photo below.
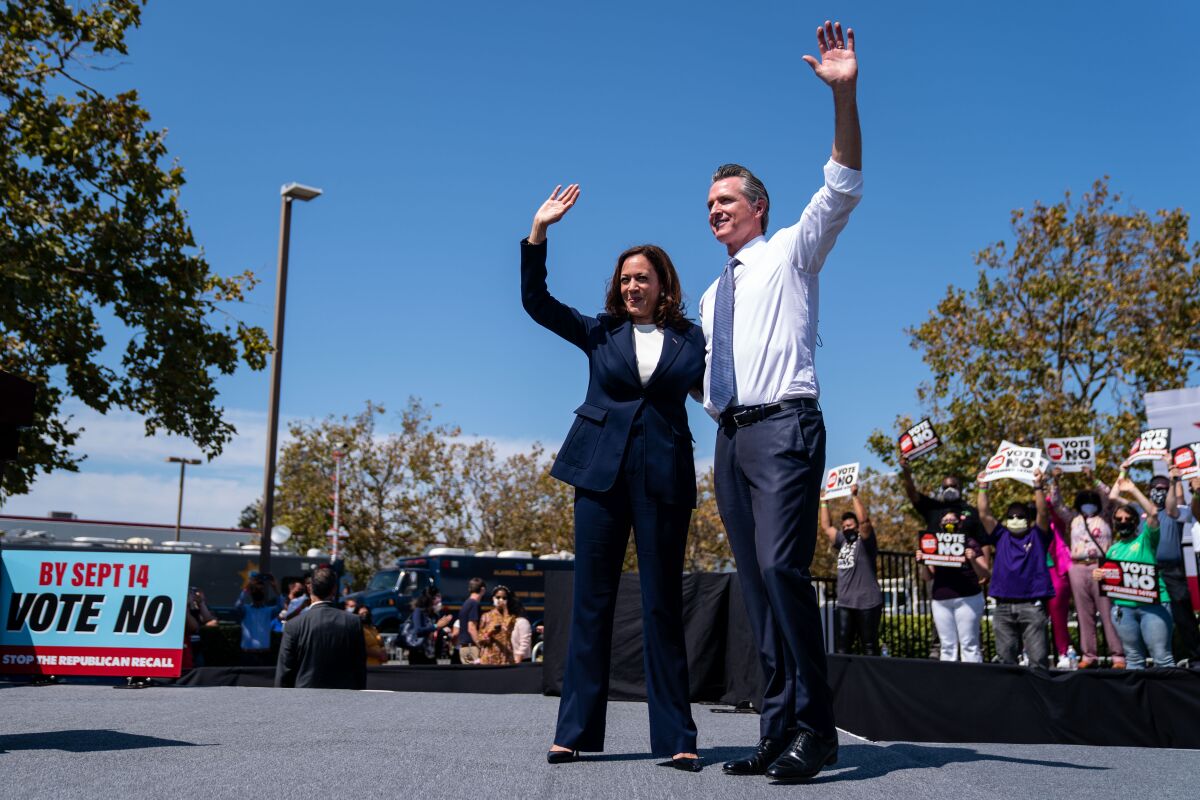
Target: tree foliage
<point x="427" y="484"/>
<point x="398" y="490"/>
<point x="92" y="237"/>
<point x="1063" y="332"/>
<point x="513" y="503"/>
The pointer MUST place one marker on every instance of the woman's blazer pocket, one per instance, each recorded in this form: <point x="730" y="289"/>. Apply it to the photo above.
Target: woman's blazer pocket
<point x="581" y="441"/>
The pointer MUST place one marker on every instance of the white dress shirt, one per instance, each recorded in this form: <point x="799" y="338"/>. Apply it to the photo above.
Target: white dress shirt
<point x="775" y="296"/>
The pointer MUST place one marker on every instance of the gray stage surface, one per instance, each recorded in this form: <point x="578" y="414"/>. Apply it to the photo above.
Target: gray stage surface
<point x="79" y="741"/>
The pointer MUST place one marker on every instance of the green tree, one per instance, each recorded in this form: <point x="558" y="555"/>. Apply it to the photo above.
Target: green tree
<point x="513" y="503"/>
<point x="250" y="517"/>
<point x="398" y="491"/>
<point x="707" y="546"/>
<point x="1063" y="332"/>
<point x="91" y="230"/>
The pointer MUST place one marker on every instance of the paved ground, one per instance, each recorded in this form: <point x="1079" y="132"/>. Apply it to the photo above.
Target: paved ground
<point x="94" y="741"/>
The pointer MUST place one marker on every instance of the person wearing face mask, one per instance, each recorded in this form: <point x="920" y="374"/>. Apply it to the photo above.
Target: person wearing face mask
<point x="949" y="498"/>
<point x="1020" y="585"/>
<point x="1144" y="628"/>
<point x="1090" y="535"/>
<point x="957" y="596"/>
<point x="1166" y="493"/>
<point x="859" y="599"/>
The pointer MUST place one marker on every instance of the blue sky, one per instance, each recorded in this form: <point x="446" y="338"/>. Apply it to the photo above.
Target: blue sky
<point x="435" y="130"/>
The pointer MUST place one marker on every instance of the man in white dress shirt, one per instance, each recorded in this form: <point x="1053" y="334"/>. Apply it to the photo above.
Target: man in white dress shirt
<point x="760" y="323"/>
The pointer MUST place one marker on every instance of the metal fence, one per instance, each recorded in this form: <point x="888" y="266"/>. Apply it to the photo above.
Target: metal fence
<point x="906" y="629"/>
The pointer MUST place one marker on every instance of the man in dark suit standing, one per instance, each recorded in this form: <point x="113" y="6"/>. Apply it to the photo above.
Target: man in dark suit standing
<point x="324" y="649"/>
<point x="760" y="321"/>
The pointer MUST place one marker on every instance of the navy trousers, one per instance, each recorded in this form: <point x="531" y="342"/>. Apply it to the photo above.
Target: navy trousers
<point x="768" y="482"/>
<point x="602" y="522"/>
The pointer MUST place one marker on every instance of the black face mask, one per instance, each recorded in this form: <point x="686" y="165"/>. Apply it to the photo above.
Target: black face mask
<point x="1125" y="528"/>
<point x="851" y="534"/>
<point x="1158" y="496"/>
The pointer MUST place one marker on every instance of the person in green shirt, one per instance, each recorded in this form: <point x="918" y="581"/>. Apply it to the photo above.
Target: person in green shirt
<point x="1145" y="624"/>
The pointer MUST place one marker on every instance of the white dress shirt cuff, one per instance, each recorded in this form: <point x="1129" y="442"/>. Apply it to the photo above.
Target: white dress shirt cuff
<point x="843" y="179"/>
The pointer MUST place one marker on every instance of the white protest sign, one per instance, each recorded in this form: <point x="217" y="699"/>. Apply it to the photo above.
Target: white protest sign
<point x="918" y="440"/>
<point x="1071" y="454"/>
<point x="1015" y="463"/>
<point x="839" y="480"/>
<point x="1151" y="445"/>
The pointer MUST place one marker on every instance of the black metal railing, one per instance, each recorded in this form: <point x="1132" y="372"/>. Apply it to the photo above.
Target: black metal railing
<point x="907" y="629"/>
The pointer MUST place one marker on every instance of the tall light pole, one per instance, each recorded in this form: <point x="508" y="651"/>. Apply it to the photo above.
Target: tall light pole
<point x="182" y="462"/>
<point x="288" y="193"/>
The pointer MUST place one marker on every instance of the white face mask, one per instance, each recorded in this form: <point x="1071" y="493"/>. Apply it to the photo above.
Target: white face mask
<point x="1016" y="524"/>
<point x="1089" y="509"/>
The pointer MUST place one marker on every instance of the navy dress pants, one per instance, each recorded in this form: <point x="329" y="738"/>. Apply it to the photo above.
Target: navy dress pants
<point x="602" y="523"/>
<point x="768" y="482"/>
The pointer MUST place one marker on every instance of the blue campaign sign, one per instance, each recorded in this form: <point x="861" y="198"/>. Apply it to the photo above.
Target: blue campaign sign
<point x="72" y="613"/>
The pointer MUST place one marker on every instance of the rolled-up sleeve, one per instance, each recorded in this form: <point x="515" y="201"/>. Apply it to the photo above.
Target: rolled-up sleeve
<point x="808" y="242"/>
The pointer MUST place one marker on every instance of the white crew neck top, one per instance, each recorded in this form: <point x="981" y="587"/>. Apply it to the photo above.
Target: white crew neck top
<point x="648" y="344"/>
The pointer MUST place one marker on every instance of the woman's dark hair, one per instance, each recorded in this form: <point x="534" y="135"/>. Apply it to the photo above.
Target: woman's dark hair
<point x="514" y="603"/>
<point x="424" y="601"/>
<point x="669" y="311"/>
<point x="365" y="613"/>
<point x="1019" y="509"/>
<point x="1132" y="509"/>
<point x="1087" y="496"/>
<point x="849" y="515"/>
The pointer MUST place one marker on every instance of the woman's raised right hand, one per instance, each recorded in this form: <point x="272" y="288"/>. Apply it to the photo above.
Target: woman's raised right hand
<point x="555" y="208"/>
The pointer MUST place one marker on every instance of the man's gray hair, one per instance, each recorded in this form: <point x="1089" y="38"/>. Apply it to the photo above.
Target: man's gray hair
<point x="752" y="188"/>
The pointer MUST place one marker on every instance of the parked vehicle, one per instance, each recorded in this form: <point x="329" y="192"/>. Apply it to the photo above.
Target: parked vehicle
<point x="390" y="592"/>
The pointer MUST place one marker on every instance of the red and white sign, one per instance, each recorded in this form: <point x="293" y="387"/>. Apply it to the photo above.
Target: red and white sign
<point x="1071" y="454"/>
<point x="1151" y="445"/>
<point x="1130" y="580"/>
<point x="1015" y="463"/>
<point x="919" y="440"/>
<point x="943" y="549"/>
<point x="1186" y="459"/>
<point x="839" y="480"/>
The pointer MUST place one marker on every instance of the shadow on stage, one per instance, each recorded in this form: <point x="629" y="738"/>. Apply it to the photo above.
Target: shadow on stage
<point x="86" y="741"/>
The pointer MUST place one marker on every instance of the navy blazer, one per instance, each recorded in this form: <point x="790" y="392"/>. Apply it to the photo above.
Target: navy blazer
<point x="592" y="454"/>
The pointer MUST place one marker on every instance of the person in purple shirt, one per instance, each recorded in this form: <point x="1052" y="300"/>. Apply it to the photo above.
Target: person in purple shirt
<point x="1021" y="585"/>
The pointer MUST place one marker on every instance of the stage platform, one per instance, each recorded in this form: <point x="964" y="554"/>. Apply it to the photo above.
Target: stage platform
<point x="67" y="741"/>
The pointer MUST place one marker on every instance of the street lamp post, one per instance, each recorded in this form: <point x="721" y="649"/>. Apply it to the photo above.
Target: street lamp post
<point x="289" y="192"/>
<point x="182" y="462"/>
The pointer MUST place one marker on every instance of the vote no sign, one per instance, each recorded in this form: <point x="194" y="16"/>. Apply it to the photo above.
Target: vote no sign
<point x="1071" y="454"/>
<point x="70" y="613"/>
<point x="1130" y="580"/>
<point x="839" y="480"/>
<point x="943" y="549"/>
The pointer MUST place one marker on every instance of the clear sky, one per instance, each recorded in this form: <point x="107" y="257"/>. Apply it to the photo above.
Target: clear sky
<point x="435" y="131"/>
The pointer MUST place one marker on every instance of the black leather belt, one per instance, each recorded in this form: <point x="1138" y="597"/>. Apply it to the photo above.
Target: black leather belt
<point x="741" y="416"/>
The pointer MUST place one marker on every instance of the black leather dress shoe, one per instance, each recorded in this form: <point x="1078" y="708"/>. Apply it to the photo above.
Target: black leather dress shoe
<point x="804" y="758"/>
<point x="561" y="756"/>
<point x="685" y="764"/>
<point x="764" y="755"/>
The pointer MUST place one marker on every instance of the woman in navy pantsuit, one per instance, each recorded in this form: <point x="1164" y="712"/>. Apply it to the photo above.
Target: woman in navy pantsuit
<point x="629" y="457"/>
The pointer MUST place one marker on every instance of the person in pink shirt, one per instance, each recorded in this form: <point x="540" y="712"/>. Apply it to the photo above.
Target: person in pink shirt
<point x="1060" y="603"/>
<point x="1090" y="537"/>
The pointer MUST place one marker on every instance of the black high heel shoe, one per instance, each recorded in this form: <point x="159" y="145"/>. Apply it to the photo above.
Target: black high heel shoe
<point x="684" y="764"/>
<point x="561" y="756"/>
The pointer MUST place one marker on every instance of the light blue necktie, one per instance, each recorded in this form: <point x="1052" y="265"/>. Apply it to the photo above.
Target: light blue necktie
<point x="722" y="383"/>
